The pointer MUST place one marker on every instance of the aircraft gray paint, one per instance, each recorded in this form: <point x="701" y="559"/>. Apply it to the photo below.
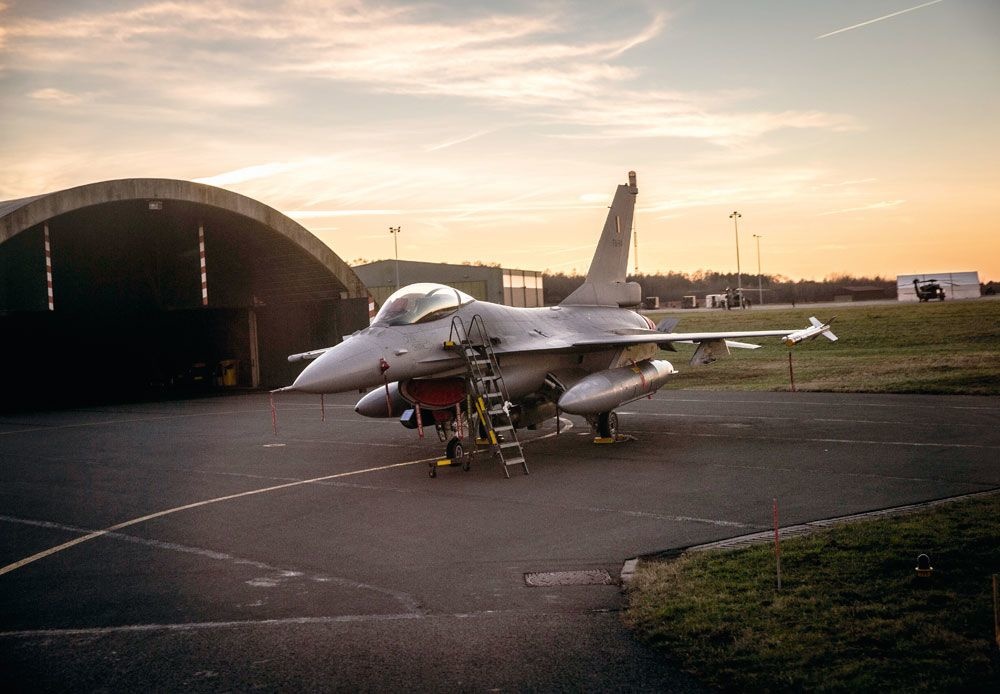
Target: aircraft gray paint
<point x="586" y="356"/>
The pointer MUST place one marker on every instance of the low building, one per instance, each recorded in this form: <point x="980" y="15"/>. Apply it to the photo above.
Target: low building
<point x="861" y="293"/>
<point x="494" y="284"/>
<point x="956" y="285"/>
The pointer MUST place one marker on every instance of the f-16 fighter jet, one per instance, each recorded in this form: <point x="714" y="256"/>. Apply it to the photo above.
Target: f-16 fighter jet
<point x="434" y="354"/>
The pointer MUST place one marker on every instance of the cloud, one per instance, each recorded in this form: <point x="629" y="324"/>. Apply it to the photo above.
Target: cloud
<point x="217" y="56"/>
<point x="249" y="173"/>
<point x="884" y="204"/>
<point x="57" y="96"/>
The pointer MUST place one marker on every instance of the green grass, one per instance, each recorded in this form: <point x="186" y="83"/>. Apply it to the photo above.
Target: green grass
<point x="945" y="347"/>
<point x="851" y="616"/>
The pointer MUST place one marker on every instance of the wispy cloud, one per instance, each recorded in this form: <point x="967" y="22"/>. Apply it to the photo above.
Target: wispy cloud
<point x="249" y="173"/>
<point x="879" y="19"/>
<point x="57" y="96"/>
<point x="457" y="141"/>
<point x="883" y="205"/>
<point x="195" y="56"/>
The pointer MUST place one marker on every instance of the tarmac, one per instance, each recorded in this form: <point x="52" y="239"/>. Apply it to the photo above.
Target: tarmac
<point x="186" y="545"/>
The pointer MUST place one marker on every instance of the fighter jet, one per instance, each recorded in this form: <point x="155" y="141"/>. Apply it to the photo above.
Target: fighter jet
<point x="433" y="353"/>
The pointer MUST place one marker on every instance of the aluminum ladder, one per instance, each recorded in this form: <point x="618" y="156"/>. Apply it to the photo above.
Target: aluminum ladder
<point x="489" y="401"/>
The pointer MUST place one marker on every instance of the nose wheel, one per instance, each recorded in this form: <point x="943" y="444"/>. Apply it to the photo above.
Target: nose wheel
<point x="455" y="455"/>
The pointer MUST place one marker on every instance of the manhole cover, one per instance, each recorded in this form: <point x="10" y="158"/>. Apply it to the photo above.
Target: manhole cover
<point x="598" y="577"/>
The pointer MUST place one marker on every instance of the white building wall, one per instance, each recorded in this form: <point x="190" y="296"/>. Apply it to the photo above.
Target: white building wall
<point x="956" y="285"/>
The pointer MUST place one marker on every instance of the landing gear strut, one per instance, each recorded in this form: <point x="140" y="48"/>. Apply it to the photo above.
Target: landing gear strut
<point x="607" y="425"/>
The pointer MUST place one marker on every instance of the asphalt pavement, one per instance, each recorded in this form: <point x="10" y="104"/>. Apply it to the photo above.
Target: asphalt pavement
<point x="185" y="545"/>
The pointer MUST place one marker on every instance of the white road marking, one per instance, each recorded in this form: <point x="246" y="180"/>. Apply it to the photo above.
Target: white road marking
<point x="867" y="442"/>
<point x="771" y="418"/>
<point x="807" y="403"/>
<point x="135" y="521"/>
<point x="277" y="574"/>
<point x="291" y="621"/>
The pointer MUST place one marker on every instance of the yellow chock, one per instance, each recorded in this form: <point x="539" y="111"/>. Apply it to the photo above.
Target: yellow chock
<point x="617" y="438"/>
<point x="444" y="462"/>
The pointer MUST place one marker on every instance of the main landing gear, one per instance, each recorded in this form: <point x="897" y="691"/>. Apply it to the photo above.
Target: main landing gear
<point x="605" y="427"/>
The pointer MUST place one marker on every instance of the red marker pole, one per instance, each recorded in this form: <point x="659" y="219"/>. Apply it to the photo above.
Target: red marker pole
<point x="791" y="373"/>
<point x="777" y="543"/>
<point x="322" y="408"/>
<point x="420" y="422"/>
<point x="274" y="416"/>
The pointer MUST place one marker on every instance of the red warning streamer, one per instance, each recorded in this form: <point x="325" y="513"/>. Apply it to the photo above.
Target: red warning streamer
<point x="48" y="269"/>
<point x="204" y="273"/>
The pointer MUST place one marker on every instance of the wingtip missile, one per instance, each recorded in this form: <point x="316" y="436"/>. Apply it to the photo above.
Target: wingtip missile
<point x="816" y="328"/>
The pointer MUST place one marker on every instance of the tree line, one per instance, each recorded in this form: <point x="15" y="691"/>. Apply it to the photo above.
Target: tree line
<point x="672" y="286"/>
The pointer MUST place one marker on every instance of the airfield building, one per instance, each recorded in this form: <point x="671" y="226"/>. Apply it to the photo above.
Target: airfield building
<point x="521" y="288"/>
<point x="956" y="285"/>
<point x="148" y="285"/>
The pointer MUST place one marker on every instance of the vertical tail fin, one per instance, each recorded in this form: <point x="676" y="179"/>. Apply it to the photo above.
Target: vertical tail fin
<point x="605" y="283"/>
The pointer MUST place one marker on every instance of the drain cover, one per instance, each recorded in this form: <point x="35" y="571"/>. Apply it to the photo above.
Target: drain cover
<point x="598" y="577"/>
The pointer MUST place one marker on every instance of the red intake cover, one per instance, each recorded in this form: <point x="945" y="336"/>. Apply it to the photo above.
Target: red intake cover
<point x="434" y="393"/>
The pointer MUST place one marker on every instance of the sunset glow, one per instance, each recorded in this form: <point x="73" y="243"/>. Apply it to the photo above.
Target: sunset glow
<point x="854" y="137"/>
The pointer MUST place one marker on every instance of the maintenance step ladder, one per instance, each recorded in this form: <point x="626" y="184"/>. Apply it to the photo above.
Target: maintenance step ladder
<point x="487" y="390"/>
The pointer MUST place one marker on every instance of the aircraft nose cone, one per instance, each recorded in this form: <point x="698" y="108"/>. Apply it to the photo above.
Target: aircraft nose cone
<point x="349" y="366"/>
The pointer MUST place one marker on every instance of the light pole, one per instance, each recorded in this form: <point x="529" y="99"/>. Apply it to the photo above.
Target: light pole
<point x="395" y="244"/>
<point x="735" y="216"/>
<point x="760" y="290"/>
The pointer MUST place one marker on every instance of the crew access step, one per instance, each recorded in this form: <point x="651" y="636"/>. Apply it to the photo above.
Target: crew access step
<point x="487" y="388"/>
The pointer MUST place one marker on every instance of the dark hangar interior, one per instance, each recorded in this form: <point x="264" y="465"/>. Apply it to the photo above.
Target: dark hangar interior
<point x="127" y="316"/>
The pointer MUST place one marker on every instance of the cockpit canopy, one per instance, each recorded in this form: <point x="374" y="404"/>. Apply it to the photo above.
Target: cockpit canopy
<point x="420" y="303"/>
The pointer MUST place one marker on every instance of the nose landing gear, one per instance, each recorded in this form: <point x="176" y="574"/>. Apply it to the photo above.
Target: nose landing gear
<point x="455" y="455"/>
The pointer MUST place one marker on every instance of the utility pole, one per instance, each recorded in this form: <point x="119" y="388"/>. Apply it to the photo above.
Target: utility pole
<point x="760" y="290"/>
<point x="735" y="216"/>
<point x="395" y="243"/>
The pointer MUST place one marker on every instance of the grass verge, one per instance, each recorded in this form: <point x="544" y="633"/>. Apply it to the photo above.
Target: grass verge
<point x="851" y="615"/>
<point x="945" y="347"/>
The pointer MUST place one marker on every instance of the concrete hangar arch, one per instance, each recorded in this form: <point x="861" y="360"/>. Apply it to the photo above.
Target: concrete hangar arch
<point x="139" y="286"/>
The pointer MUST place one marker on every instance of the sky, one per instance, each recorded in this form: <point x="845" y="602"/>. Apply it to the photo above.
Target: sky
<point x="854" y="137"/>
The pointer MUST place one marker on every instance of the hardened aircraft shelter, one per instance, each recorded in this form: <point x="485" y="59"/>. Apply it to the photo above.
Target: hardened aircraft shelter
<point x="139" y="286"/>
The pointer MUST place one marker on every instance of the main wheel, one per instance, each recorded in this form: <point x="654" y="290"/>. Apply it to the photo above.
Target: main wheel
<point x="607" y="425"/>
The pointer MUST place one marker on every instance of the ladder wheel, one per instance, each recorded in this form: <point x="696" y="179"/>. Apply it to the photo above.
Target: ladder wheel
<point x="466" y="465"/>
<point x="607" y="424"/>
<point x="433" y="472"/>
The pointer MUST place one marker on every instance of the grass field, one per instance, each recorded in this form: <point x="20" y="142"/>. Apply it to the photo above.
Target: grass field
<point x="851" y="616"/>
<point x="941" y="347"/>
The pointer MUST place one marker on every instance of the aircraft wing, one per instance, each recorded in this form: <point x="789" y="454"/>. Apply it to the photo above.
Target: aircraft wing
<point x="646" y="337"/>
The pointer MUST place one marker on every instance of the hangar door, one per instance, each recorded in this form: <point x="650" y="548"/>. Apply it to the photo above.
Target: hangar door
<point x="132" y="314"/>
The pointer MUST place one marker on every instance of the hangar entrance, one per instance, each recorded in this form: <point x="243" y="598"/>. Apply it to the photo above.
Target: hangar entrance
<point x="160" y="298"/>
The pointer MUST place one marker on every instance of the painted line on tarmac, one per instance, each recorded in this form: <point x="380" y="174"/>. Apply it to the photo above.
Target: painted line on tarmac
<point x="770" y="418"/>
<point x="809" y="403"/>
<point x="296" y="621"/>
<point x="866" y="442"/>
<point x="276" y="574"/>
<point x="135" y="521"/>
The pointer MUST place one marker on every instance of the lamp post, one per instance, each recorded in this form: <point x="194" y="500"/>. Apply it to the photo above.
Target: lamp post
<point x="760" y="290"/>
<point x="735" y="216"/>
<point x="395" y="244"/>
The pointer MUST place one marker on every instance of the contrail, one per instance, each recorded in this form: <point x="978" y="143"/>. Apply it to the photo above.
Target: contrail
<point x="879" y="19"/>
